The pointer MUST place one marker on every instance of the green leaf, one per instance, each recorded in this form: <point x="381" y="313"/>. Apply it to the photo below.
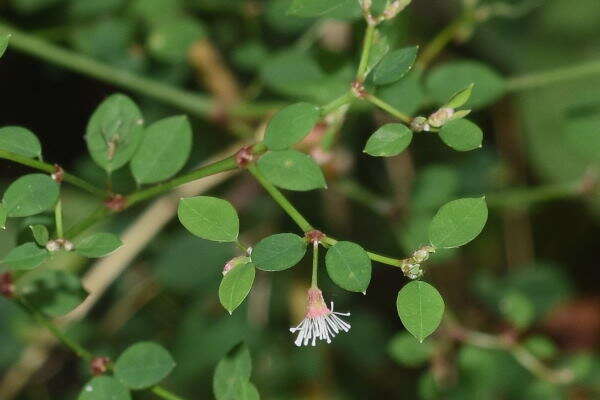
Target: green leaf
<point x="379" y="48"/>
<point x="434" y="186"/>
<point x="232" y="373"/>
<point x="171" y="39"/>
<point x="3" y="216"/>
<point x="3" y="43"/>
<point x="114" y="132"/>
<point x="26" y="256"/>
<point x="20" y="141"/>
<point x="143" y="365"/>
<point x="279" y="252"/>
<point x="389" y="140"/>
<point x="349" y="266"/>
<point x="517" y="309"/>
<point x="236" y="285"/>
<point x="104" y="388"/>
<point x="30" y="194"/>
<point x="541" y="347"/>
<point x="290" y="125"/>
<point x="247" y="391"/>
<point x="406" y="95"/>
<point x="582" y="134"/>
<point x="98" y="245"/>
<point x="53" y="292"/>
<point x="406" y="350"/>
<point x="395" y="65"/>
<point x="420" y="307"/>
<point x="292" y="170"/>
<point x="458" y="222"/>
<point x="40" y="234"/>
<point x="461" y="135"/>
<point x="209" y="218"/>
<point x="318" y="8"/>
<point x="449" y="78"/>
<point x="459" y="98"/>
<point x="164" y="150"/>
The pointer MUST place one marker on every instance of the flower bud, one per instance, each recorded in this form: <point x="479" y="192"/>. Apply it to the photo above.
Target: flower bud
<point x="440" y="117"/>
<point x="53" y="245"/>
<point x="420" y="124"/>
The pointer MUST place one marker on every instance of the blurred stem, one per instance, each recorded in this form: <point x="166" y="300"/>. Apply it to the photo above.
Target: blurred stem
<point x="389" y="108"/>
<point x="366" y="51"/>
<point x="75" y="347"/>
<point x="58" y="219"/>
<point x="49" y="168"/>
<point x="524" y="197"/>
<point x="441" y="40"/>
<point x="540" y="79"/>
<point x="315" y="265"/>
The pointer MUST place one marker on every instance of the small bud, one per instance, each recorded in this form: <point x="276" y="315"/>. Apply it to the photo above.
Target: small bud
<point x="392" y="10"/>
<point x="358" y="90"/>
<point x="420" y="124"/>
<point x="7" y="288"/>
<point x="422" y="254"/>
<point x="68" y="245"/>
<point x="315" y="236"/>
<point x="411" y="270"/>
<point x="58" y="174"/>
<point x="99" y="365"/>
<point x="244" y="156"/>
<point x="440" y="117"/>
<point x="234" y="262"/>
<point x="116" y="203"/>
<point x="53" y="245"/>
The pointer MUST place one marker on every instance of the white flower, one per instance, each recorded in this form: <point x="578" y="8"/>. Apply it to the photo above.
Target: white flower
<point x="320" y="322"/>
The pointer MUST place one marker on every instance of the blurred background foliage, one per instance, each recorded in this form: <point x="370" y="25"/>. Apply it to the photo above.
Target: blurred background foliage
<point x="533" y="274"/>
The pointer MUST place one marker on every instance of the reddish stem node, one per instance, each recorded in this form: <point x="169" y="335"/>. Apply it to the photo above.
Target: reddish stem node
<point x="116" y="203"/>
<point x="58" y="174"/>
<point x="7" y="288"/>
<point x="244" y="156"/>
<point x="358" y="89"/>
<point x="99" y="365"/>
<point x="314" y="236"/>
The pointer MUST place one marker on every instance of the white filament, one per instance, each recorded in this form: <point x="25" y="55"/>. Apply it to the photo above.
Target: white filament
<point x="324" y="327"/>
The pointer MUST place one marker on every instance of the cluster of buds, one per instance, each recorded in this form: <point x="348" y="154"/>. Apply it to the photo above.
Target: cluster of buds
<point x="99" y="365"/>
<point x="59" y="174"/>
<point x="59" y="244"/>
<point x="411" y="267"/>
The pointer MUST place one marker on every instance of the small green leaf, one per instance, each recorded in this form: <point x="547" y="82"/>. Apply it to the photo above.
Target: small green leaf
<point x="389" y="140"/>
<point x="406" y="350"/>
<point x="447" y="79"/>
<point x="379" y="49"/>
<point x="232" y="373"/>
<point x="164" y="150"/>
<point x="459" y="98"/>
<point x="517" y="309"/>
<point x="461" y="135"/>
<point x="541" y="346"/>
<point x="279" y="252"/>
<point x="3" y="43"/>
<point x="104" y="388"/>
<point x="582" y="133"/>
<point x="349" y="266"/>
<point x="143" y="365"/>
<point x="171" y="38"/>
<point x="318" y="8"/>
<point x="25" y="256"/>
<point x="459" y="114"/>
<point x="114" y="132"/>
<point x="290" y="125"/>
<point x="458" y="222"/>
<point x="53" y="292"/>
<point x="209" y="218"/>
<point x="420" y="307"/>
<point x="247" y="391"/>
<point x="236" y="285"/>
<point x="3" y="216"/>
<point x="395" y="65"/>
<point x="20" y="141"/>
<point x="29" y="195"/>
<point x="98" y="245"/>
<point x="292" y="170"/>
<point x="40" y="234"/>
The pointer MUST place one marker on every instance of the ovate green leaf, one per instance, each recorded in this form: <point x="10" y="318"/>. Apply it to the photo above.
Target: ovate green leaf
<point x="349" y="266"/>
<point x="278" y="252"/>
<point x="164" y="150"/>
<point x="395" y="65"/>
<point x="232" y="373"/>
<point x="291" y="125"/>
<point x="40" y="234"/>
<point x="292" y="170"/>
<point x="389" y="140"/>
<point x="318" y="8"/>
<point x="114" y="132"/>
<point x="379" y="49"/>
<point x="459" y="98"/>
<point x="209" y="218"/>
<point x="143" y="365"/>
<point x="53" y="292"/>
<point x="458" y="222"/>
<point x="171" y="39"/>
<point x="25" y="256"/>
<point x="461" y="135"/>
<point x="3" y="216"/>
<point x="97" y="245"/>
<point x="29" y="195"/>
<point x="3" y="43"/>
<point x="420" y="307"/>
<point x="236" y="285"/>
<point x="20" y="141"/>
<point x="104" y="388"/>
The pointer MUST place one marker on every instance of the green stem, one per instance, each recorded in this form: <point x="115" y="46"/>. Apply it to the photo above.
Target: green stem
<point x="165" y="394"/>
<point x="344" y="99"/>
<point x="524" y="197"/>
<point x="366" y="51"/>
<point x="49" y="168"/>
<point x="315" y="266"/>
<point x="441" y="40"/>
<point x="42" y="320"/>
<point x="389" y="108"/>
<point x="540" y="79"/>
<point x="58" y="219"/>
<point x="281" y="200"/>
